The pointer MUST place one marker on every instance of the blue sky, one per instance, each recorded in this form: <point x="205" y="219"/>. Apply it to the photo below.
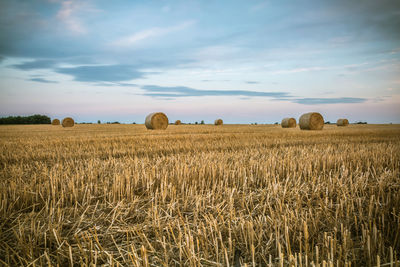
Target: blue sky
<point x="243" y="61"/>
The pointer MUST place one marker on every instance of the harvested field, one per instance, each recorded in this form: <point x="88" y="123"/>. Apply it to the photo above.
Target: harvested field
<point x="194" y="195"/>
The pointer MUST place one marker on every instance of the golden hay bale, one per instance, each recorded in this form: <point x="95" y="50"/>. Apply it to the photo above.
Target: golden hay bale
<point x="156" y="121"/>
<point x="177" y="122"/>
<point x="218" y="122"/>
<point x="68" y="122"/>
<point x="288" y="123"/>
<point x="311" y="121"/>
<point x="55" y="122"/>
<point x="342" y="122"/>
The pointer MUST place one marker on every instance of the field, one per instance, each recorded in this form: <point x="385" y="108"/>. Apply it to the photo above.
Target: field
<point x="199" y="195"/>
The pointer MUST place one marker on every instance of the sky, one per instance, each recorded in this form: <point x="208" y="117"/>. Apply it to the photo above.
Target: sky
<point x="242" y="61"/>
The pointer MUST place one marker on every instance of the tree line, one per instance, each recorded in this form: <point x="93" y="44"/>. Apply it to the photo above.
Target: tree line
<point x="34" y="119"/>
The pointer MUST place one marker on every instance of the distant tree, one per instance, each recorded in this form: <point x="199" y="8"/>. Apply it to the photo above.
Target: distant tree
<point x="133" y="122"/>
<point x="98" y="122"/>
<point x="276" y="123"/>
<point x="34" y="119"/>
<point x="202" y="122"/>
<point x="196" y="122"/>
<point x="327" y="122"/>
<point x="255" y="123"/>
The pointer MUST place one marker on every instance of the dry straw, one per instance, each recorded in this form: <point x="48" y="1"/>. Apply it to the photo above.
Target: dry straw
<point x="218" y="122"/>
<point x="311" y="121"/>
<point x="68" y="122"/>
<point x="288" y="123"/>
<point x="342" y="122"/>
<point x="156" y="121"/>
<point x="178" y="122"/>
<point x="55" y="122"/>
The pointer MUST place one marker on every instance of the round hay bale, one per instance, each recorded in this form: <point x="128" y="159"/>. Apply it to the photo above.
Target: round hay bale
<point x="68" y="122"/>
<point x="288" y="123"/>
<point x="342" y="122"/>
<point x="156" y="121"/>
<point x="218" y="122"/>
<point x="311" y="121"/>
<point x="55" y="122"/>
<point x="177" y="122"/>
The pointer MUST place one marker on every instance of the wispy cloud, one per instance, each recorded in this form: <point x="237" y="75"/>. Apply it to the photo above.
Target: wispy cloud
<point x="150" y="33"/>
<point x="320" y="68"/>
<point x="41" y="80"/>
<point x="172" y="92"/>
<point x="337" y="100"/>
<point x="70" y="14"/>
<point x="111" y="84"/>
<point x="183" y="91"/>
<point x="35" y="64"/>
<point x="297" y="70"/>
<point x="216" y="80"/>
<point x="106" y="73"/>
<point x="259" y="6"/>
<point x="252" y="82"/>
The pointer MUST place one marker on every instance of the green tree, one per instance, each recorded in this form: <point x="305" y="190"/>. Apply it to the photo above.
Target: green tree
<point x="34" y="119"/>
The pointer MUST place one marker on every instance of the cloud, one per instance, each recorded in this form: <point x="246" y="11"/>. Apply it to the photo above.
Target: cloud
<point x="106" y="73"/>
<point x="259" y="6"/>
<point x="297" y="70"/>
<point x="252" y="82"/>
<point x="41" y="80"/>
<point x="215" y="80"/>
<point x="338" y="100"/>
<point x="128" y="84"/>
<point x="35" y="64"/>
<point x="182" y="91"/>
<point x="172" y="92"/>
<point x="349" y="67"/>
<point x="150" y="33"/>
<point x="70" y="13"/>
<point x="110" y="84"/>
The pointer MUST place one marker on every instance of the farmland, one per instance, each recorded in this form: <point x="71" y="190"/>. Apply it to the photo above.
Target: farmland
<point x="199" y="195"/>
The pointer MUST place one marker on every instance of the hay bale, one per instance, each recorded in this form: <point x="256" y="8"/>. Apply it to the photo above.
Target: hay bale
<point x="55" y="122"/>
<point x="288" y="123"/>
<point x="218" y="122"/>
<point x="311" y="121"/>
<point x="68" y="122"/>
<point x="177" y="122"/>
<point x="156" y="121"/>
<point x="342" y="122"/>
